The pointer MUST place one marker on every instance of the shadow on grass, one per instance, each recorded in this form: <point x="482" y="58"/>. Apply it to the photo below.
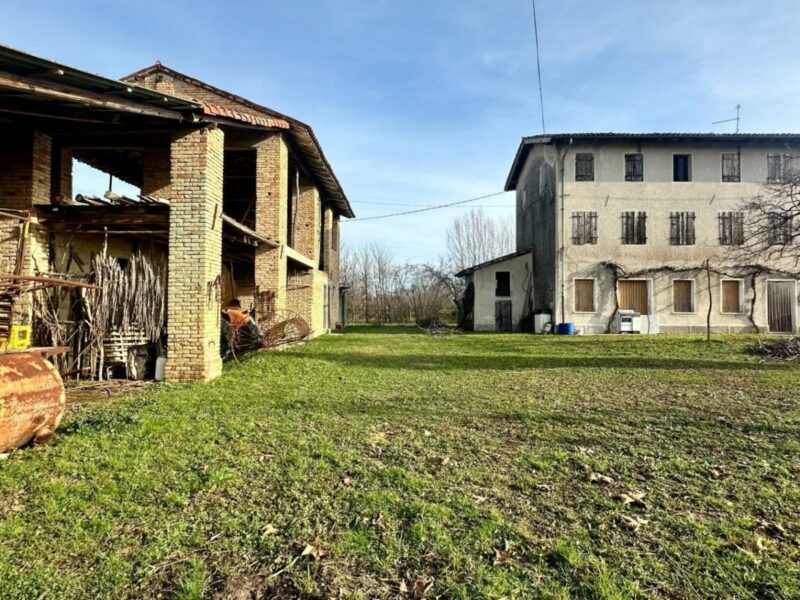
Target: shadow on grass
<point x="517" y="362"/>
<point x="383" y="329"/>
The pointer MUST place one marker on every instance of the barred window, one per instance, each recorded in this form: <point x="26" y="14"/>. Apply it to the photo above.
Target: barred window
<point x="782" y="167"/>
<point x="780" y="229"/>
<point x="731" y="228"/>
<point x="634" y="227"/>
<point x="584" y="167"/>
<point x="732" y="167"/>
<point x="681" y="228"/>
<point x="634" y="167"/>
<point x="584" y="228"/>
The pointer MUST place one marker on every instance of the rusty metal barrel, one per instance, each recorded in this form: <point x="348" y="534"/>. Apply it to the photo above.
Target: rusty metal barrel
<point x="32" y="399"/>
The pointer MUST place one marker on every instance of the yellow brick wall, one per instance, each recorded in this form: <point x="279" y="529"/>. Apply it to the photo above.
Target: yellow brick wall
<point x="195" y="247"/>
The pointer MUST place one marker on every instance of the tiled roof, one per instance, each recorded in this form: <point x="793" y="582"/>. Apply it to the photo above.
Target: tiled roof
<point x="494" y="261"/>
<point x="528" y="142"/>
<point x="220" y="111"/>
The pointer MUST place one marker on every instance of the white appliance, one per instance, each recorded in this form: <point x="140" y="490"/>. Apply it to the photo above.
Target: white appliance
<point x="629" y="321"/>
<point x="539" y="322"/>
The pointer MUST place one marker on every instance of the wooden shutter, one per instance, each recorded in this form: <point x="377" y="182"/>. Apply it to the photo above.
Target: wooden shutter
<point x="641" y="228"/>
<point x="633" y="295"/>
<point x="502" y="315"/>
<point x="731" y="296"/>
<point x="584" y="167"/>
<point x="584" y="295"/>
<point x="780" y="300"/>
<point x="682" y="296"/>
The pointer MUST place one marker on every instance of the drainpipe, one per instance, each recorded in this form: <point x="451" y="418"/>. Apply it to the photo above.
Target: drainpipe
<point x="563" y="225"/>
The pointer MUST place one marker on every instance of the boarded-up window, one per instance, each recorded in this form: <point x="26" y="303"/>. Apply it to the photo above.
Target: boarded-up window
<point x="731" y="228"/>
<point x="502" y="280"/>
<point x="584" y="166"/>
<point x="780" y="306"/>
<point x="681" y="228"/>
<point x="634" y="167"/>
<point x="634" y="227"/>
<point x="682" y="167"/>
<point x="584" y="228"/>
<point x="683" y="295"/>
<point x="732" y="296"/>
<point x="633" y="296"/>
<point x="584" y="295"/>
<point x="732" y="167"/>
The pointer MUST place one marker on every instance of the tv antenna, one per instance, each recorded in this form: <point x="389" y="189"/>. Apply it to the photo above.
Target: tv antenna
<point x="738" y="108"/>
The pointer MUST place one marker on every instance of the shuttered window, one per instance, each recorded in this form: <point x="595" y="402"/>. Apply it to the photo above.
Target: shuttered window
<point x="731" y="228"/>
<point x="681" y="229"/>
<point x="584" y="295"/>
<point x="634" y="227"/>
<point x="584" y="228"/>
<point x="634" y="167"/>
<point x="584" y="166"/>
<point x="782" y="167"/>
<point x="632" y="295"/>
<point x="732" y="167"/>
<point x="780" y="229"/>
<point x="732" y="295"/>
<point x="683" y="296"/>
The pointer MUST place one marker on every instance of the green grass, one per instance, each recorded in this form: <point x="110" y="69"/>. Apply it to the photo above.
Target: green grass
<point x="383" y="460"/>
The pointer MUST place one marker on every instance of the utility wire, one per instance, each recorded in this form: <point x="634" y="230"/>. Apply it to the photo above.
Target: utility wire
<point x="396" y="204"/>
<point x="538" y="64"/>
<point x="426" y="209"/>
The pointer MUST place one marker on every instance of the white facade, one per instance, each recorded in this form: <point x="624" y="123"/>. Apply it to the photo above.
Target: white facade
<point x="485" y="281"/>
<point x="548" y="195"/>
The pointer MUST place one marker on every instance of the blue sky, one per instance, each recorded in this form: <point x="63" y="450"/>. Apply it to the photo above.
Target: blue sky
<point x="420" y="102"/>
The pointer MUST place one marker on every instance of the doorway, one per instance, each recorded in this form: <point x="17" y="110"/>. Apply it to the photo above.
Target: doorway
<point x="780" y="306"/>
<point x="502" y="316"/>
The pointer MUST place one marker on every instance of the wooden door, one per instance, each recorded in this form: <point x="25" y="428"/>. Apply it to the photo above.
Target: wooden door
<point x="633" y="295"/>
<point x="780" y="305"/>
<point x="502" y="315"/>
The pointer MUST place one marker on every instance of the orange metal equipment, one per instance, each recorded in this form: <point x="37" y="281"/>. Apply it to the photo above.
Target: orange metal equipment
<point x="32" y="399"/>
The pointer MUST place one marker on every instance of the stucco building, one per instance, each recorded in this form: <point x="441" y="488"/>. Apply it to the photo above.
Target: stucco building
<point x="238" y="199"/>
<point x="629" y="221"/>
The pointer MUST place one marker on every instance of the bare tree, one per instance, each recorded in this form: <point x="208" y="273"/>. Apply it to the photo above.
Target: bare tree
<point x="767" y="230"/>
<point x="476" y="237"/>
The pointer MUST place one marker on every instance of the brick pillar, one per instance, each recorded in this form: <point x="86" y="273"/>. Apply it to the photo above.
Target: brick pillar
<point x="61" y="174"/>
<point x="26" y="160"/>
<point x="156" y="173"/>
<point x="195" y="251"/>
<point x="272" y="184"/>
<point x="308" y="220"/>
<point x="331" y="249"/>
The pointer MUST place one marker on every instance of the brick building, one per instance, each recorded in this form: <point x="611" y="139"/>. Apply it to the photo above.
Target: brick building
<point x="239" y="199"/>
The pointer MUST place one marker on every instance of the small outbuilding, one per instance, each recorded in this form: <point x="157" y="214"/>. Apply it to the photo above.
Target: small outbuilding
<point x="499" y="293"/>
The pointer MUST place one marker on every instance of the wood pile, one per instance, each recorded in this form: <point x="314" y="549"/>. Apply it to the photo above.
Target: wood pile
<point x="787" y="349"/>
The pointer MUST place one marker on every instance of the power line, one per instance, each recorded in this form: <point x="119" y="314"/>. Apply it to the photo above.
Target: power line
<point x="538" y="64"/>
<point x="360" y="202"/>
<point x="426" y="209"/>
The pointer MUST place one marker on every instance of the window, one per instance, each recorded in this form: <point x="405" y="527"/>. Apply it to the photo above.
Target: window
<point x="681" y="167"/>
<point x="732" y="167"/>
<point x="634" y="227"/>
<point x="683" y="295"/>
<point x="584" y="295"/>
<point x="782" y="167"/>
<point x="732" y="295"/>
<point x="634" y="167"/>
<point x="584" y="228"/>
<point x="681" y="228"/>
<point x="731" y="228"/>
<point x="502" y="284"/>
<point x="633" y="294"/>
<point x="780" y="229"/>
<point x="584" y="166"/>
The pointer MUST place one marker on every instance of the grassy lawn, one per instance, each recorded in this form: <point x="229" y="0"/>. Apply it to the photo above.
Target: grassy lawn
<point x="383" y="463"/>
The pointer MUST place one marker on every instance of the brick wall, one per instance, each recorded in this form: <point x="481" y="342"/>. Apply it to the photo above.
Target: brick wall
<point x="195" y="247"/>
<point x="307" y="221"/>
<point x="156" y="172"/>
<point x="25" y="179"/>
<point x="272" y="173"/>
